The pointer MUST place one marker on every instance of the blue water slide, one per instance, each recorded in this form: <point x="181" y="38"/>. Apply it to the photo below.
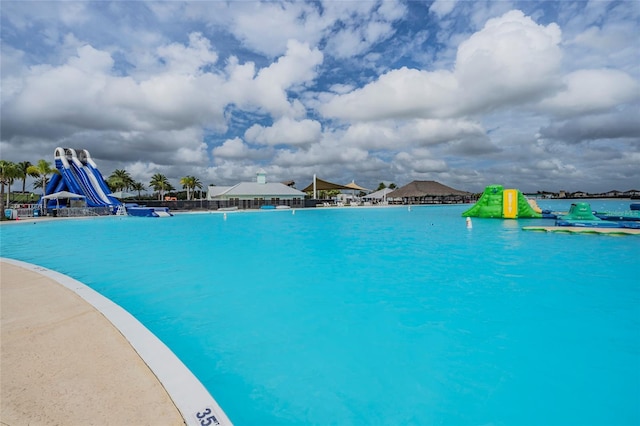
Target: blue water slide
<point x="101" y="185"/>
<point x="93" y="198"/>
<point x="92" y="169"/>
<point x="65" y="178"/>
<point x="76" y="186"/>
<point x="99" y="178"/>
<point x="80" y="178"/>
<point x="69" y="179"/>
<point x="60" y="185"/>
<point x="54" y="184"/>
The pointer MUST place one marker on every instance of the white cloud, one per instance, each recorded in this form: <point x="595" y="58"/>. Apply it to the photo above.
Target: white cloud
<point x="188" y="59"/>
<point x="592" y="91"/>
<point x="236" y="149"/>
<point x="512" y="60"/>
<point x="267" y="27"/>
<point x="442" y="7"/>
<point x="267" y="90"/>
<point x="485" y="92"/>
<point x="362" y="25"/>
<point x="420" y="161"/>
<point x="285" y="131"/>
<point x="394" y="134"/>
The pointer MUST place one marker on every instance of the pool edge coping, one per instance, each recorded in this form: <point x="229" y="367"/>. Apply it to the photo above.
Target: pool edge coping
<point x="194" y="402"/>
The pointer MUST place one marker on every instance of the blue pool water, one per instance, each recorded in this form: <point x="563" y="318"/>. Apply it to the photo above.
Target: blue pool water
<point x="373" y="316"/>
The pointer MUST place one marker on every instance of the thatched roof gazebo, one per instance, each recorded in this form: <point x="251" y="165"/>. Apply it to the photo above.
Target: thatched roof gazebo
<point x="429" y="192"/>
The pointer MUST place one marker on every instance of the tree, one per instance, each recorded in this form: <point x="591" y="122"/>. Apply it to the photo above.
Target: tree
<point x="138" y="186"/>
<point x="8" y="172"/>
<point x="160" y="183"/>
<point x="120" y="180"/>
<point x="23" y="167"/>
<point x="39" y="183"/>
<point x="381" y="186"/>
<point x="190" y="183"/>
<point x="42" y="170"/>
<point x="392" y="186"/>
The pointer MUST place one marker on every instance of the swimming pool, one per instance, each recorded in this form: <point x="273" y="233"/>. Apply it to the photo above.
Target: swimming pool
<point x="373" y="316"/>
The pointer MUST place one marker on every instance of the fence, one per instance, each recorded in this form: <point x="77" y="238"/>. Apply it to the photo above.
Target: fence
<point x="35" y="210"/>
<point x="81" y="211"/>
<point x="219" y="204"/>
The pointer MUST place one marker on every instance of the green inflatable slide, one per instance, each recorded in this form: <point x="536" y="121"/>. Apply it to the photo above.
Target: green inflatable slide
<point x="497" y="202"/>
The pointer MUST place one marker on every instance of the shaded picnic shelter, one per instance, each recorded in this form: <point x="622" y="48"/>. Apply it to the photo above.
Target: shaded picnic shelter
<point x="323" y="185"/>
<point x="353" y="185"/>
<point x="430" y="192"/>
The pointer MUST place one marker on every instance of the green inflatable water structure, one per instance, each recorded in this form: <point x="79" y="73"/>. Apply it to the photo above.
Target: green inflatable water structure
<point x="497" y="202"/>
<point x="580" y="211"/>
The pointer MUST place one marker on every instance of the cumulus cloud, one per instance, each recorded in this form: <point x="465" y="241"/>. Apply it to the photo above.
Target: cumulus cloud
<point x="190" y="59"/>
<point x="236" y="148"/>
<point x="511" y="61"/>
<point x="442" y="7"/>
<point x="420" y="161"/>
<point x="285" y="131"/>
<point x="268" y="27"/>
<point x="617" y="125"/>
<point x="592" y="91"/>
<point x="266" y="89"/>
<point x="468" y="92"/>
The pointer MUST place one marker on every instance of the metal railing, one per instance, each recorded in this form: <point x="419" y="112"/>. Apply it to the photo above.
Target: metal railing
<point x="23" y="212"/>
<point x="81" y="211"/>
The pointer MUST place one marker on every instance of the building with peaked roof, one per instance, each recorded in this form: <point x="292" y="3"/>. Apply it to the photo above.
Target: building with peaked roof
<point x="248" y="195"/>
<point x="429" y="192"/>
<point x="380" y="195"/>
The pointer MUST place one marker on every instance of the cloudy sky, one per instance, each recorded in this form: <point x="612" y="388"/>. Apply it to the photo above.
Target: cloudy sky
<point x="536" y="95"/>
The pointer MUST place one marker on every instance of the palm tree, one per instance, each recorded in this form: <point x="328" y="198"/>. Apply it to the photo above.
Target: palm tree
<point x="381" y="186"/>
<point x="8" y="172"/>
<point x="23" y="167"/>
<point x="190" y="183"/>
<point x="120" y="180"/>
<point x="186" y="184"/>
<point x="39" y="183"/>
<point x="160" y="183"/>
<point x="42" y="170"/>
<point x="197" y="184"/>
<point x="138" y="186"/>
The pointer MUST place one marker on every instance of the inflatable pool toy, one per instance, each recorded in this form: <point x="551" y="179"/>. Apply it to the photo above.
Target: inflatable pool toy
<point x="579" y="211"/>
<point x="497" y="202"/>
<point x="583" y="230"/>
<point x="581" y="216"/>
<point x="632" y="215"/>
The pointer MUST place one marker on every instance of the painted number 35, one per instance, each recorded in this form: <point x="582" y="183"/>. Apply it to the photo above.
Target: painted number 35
<point x="206" y="418"/>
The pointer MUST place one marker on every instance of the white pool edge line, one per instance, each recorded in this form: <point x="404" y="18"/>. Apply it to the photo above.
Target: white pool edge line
<point x="195" y="403"/>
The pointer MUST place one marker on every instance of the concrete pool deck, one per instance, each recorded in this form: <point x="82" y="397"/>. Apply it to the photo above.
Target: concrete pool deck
<point x="69" y="357"/>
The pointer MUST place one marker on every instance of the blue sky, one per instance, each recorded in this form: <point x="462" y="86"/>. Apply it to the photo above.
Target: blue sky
<point x="536" y="95"/>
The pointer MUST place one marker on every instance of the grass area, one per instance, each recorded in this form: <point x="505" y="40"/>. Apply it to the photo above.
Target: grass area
<point x="22" y="198"/>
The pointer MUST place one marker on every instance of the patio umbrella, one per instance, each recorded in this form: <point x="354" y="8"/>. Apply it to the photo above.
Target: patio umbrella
<point x="355" y="187"/>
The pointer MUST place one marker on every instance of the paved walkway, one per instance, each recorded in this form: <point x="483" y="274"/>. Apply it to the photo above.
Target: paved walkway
<point x="63" y="363"/>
